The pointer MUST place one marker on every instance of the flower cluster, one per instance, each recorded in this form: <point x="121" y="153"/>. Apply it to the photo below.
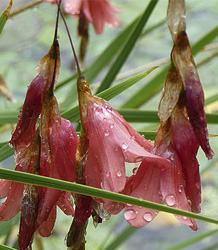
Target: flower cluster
<point x="47" y="151"/>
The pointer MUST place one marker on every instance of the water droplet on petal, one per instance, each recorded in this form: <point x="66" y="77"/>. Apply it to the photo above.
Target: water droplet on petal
<point x="111" y="125"/>
<point x="130" y="214"/>
<point x="116" y="149"/>
<point x="180" y="188"/>
<point x="125" y="145"/>
<point x="106" y="133"/>
<point x="109" y="109"/>
<point x="132" y="138"/>
<point x="148" y="217"/>
<point x="107" y="173"/>
<point x="99" y="109"/>
<point x="139" y="159"/>
<point x="172" y="157"/>
<point x="170" y="200"/>
<point x="184" y="218"/>
<point x="119" y="173"/>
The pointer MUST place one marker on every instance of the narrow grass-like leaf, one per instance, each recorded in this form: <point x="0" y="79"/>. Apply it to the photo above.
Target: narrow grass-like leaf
<point x="5" y="152"/>
<point x="8" y="117"/>
<point x="3" y="247"/>
<point x="156" y="84"/>
<point x="192" y="241"/>
<point x="94" y="192"/>
<point x="121" y="58"/>
<point x="211" y="99"/>
<point x="110" y="93"/>
<point x="4" y="16"/>
<point x="106" y="56"/>
<point x="73" y="113"/>
<point x="122" y="237"/>
<point x="148" y="134"/>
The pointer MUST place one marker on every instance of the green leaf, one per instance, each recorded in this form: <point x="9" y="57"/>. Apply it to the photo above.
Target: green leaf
<point x="122" y="237"/>
<point x="110" y="93"/>
<point x="4" y="16"/>
<point x="5" y="152"/>
<point x="94" y="192"/>
<point x="121" y="58"/>
<point x="156" y="84"/>
<point x="5" y="228"/>
<point x="192" y="241"/>
<point x="211" y="99"/>
<point x="73" y="113"/>
<point x="7" y="117"/>
<point x="3" y="247"/>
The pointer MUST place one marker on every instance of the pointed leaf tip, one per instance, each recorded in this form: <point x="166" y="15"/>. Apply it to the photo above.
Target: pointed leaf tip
<point x="4" y="16"/>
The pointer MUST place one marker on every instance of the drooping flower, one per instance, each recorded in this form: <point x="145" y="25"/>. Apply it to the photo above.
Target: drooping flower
<point x="97" y="12"/>
<point x="47" y="152"/>
<point x="184" y="63"/>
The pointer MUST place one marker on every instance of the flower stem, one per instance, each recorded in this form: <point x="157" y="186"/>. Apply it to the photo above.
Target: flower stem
<point x="25" y="7"/>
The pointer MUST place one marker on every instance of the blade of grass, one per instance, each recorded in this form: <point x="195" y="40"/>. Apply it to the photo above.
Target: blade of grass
<point x="106" y="56"/>
<point x="122" y="237"/>
<point x="5" y="152"/>
<point x="94" y="192"/>
<point x="121" y="58"/>
<point x="3" y="247"/>
<point x="73" y="113"/>
<point x="4" y="16"/>
<point x="156" y="84"/>
<point x="211" y="99"/>
<point x="192" y="241"/>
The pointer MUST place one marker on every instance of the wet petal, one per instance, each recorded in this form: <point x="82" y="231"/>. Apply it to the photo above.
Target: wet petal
<point x="26" y="126"/>
<point x="65" y="205"/>
<point x="12" y="204"/>
<point x="4" y="188"/>
<point x="186" y="146"/>
<point x="46" y="227"/>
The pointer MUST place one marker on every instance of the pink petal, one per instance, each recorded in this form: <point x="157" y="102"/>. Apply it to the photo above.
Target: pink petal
<point x="25" y="129"/>
<point x="73" y="7"/>
<point x="13" y="202"/>
<point x="186" y="146"/>
<point x="102" y="12"/>
<point x="112" y="141"/>
<point x="65" y="205"/>
<point x="46" y="227"/>
<point x="63" y="142"/>
<point x="4" y="188"/>
<point x="172" y="187"/>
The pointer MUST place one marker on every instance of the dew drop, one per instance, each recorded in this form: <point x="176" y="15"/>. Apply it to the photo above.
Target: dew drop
<point x="132" y="138"/>
<point x="99" y="109"/>
<point x="172" y="157"/>
<point x="148" y="217"/>
<point x="184" y="218"/>
<point x="125" y="146"/>
<point x="119" y="173"/>
<point x="170" y="200"/>
<point x="130" y="214"/>
<point x="107" y="173"/>
<point x="106" y="133"/>
<point x="180" y="188"/>
<point x="109" y="109"/>
<point x="111" y="125"/>
<point x="10" y="145"/>
<point x="139" y="159"/>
